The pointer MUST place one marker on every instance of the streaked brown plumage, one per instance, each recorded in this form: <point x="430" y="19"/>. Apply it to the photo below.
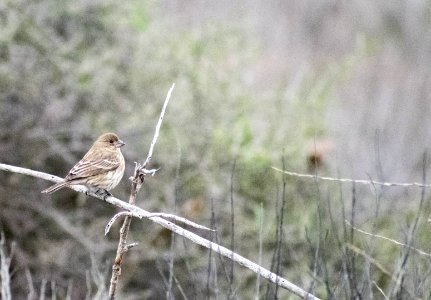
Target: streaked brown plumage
<point x="101" y="168"/>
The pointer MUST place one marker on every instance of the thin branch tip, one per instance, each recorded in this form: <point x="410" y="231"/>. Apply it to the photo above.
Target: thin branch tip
<point x="130" y="246"/>
<point x="151" y="172"/>
<point x="114" y="218"/>
<point x="159" y="124"/>
<point x="359" y="181"/>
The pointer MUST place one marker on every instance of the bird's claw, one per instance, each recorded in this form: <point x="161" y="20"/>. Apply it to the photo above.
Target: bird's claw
<point x="103" y="193"/>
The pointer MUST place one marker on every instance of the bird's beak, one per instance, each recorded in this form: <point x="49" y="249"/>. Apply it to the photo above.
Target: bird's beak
<point x="120" y="144"/>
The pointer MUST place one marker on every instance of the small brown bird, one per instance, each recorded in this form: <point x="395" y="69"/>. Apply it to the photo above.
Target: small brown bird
<point x="101" y="168"/>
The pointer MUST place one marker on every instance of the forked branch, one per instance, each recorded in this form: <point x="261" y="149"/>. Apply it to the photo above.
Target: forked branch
<point x="137" y="182"/>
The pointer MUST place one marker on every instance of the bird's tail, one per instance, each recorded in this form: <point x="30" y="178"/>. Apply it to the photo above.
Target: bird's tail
<point x="55" y="187"/>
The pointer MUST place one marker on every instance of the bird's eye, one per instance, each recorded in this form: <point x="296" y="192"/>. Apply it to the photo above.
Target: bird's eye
<point x="111" y="141"/>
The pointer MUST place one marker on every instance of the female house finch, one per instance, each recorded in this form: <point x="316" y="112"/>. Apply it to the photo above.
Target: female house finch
<point x="100" y="170"/>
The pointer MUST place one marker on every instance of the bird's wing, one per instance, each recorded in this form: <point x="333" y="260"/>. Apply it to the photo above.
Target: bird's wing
<point x="86" y="168"/>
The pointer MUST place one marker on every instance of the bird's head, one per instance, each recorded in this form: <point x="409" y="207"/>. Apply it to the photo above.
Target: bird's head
<point x="110" y="140"/>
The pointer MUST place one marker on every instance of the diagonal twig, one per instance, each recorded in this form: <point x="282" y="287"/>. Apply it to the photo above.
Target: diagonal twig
<point x="152" y="215"/>
<point x="159" y="124"/>
<point x="419" y="251"/>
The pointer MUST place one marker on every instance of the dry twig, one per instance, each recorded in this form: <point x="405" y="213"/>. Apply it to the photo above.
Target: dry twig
<point x="152" y="215"/>
<point x="419" y="251"/>
<point x="4" y="270"/>
<point x="360" y="181"/>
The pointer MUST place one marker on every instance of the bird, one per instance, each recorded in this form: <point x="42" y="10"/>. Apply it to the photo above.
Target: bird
<point x="100" y="170"/>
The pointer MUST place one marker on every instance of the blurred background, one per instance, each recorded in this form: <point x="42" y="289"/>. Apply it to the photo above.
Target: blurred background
<point x="336" y="88"/>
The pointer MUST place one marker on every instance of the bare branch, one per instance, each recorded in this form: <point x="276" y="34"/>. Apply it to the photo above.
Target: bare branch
<point x="159" y="124"/>
<point x="376" y="264"/>
<point x="152" y="215"/>
<point x="5" y="292"/>
<point x="260" y="250"/>
<point x="114" y="218"/>
<point x="360" y="181"/>
<point x="179" y="219"/>
<point x="421" y="252"/>
<point x="265" y="273"/>
<point x="370" y="259"/>
<point x="380" y="290"/>
<point x="42" y="289"/>
<point x="130" y="246"/>
<point x="24" y="171"/>
<point x="31" y="292"/>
